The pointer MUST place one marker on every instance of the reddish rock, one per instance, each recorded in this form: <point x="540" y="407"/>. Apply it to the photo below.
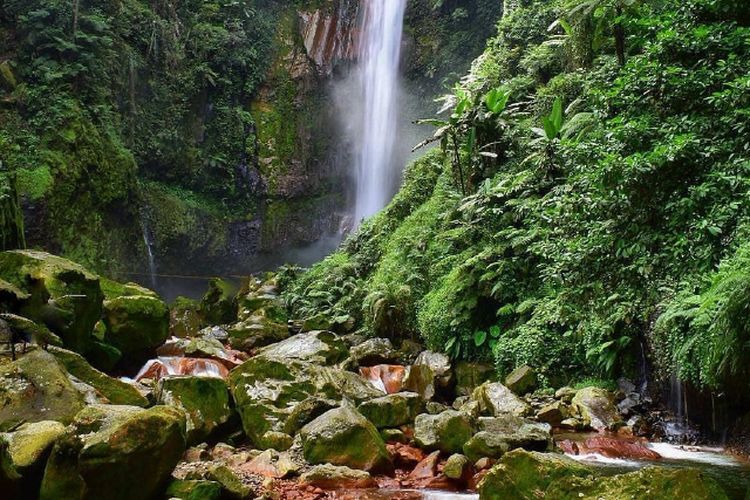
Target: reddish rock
<point x="610" y="447"/>
<point x="404" y="455"/>
<point x="166" y="366"/>
<point x="175" y="347"/>
<point x="387" y="378"/>
<point x="426" y="469"/>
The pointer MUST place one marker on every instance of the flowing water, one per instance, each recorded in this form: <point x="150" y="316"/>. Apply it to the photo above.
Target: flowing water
<point x="150" y="251"/>
<point x="380" y="51"/>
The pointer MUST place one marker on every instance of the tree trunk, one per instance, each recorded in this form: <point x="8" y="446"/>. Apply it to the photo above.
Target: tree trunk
<point x="619" y="30"/>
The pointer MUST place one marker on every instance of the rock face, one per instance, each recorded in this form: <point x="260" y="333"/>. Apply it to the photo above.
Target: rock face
<point x="393" y="410"/>
<point x="496" y="399"/>
<point x="446" y="431"/>
<point x="527" y="475"/>
<point x="35" y="388"/>
<point x="218" y="305"/>
<point x="116" y="452"/>
<point x="387" y="378"/>
<point x="61" y="294"/>
<point x="342" y="436"/>
<point x="597" y="409"/>
<point x="136" y="324"/>
<point x="499" y="435"/>
<point x="205" y="402"/>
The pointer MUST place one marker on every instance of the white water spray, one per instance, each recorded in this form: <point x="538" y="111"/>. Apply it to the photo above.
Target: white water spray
<point x="149" y="250"/>
<point x="380" y="52"/>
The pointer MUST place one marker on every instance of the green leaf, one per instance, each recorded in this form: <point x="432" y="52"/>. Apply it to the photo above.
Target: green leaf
<point x="495" y="331"/>
<point x="480" y="338"/>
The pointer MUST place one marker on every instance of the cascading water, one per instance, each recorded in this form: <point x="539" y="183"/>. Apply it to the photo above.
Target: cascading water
<point x="149" y="250"/>
<point x="380" y="52"/>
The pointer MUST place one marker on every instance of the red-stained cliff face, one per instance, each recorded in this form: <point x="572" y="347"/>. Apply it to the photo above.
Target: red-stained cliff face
<point x="331" y="36"/>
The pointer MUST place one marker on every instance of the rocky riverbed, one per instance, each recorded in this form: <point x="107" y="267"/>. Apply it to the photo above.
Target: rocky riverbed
<point x="231" y="398"/>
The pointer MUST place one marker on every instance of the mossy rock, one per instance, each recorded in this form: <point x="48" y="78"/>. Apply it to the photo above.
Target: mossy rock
<point x="103" y="356"/>
<point x="113" y="289"/>
<point x="30" y="443"/>
<point x="469" y="376"/>
<point x="392" y="410"/>
<point x="218" y="306"/>
<point x="184" y="318"/>
<point x="496" y="400"/>
<point x="194" y="490"/>
<point x="526" y="475"/>
<point x="255" y="332"/>
<point x="231" y="484"/>
<point x="446" y="431"/>
<point x="10" y="479"/>
<point x="320" y="347"/>
<point x="498" y="435"/>
<point x="34" y="388"/>
<point x="521" y="380"/>
<point x="115" y="452"/>
<point x="204" y="400"/>
<point x="115" y="390"/>
<point x="597" y="408"/>
<point x="136" y="324"/>
<point x="343" y="436"/>
<point x="11" y="297"/>
<point x="62" y="294"/>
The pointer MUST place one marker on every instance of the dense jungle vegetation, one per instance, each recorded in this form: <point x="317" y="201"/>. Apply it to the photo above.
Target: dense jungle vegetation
<point x="588" y="201"/>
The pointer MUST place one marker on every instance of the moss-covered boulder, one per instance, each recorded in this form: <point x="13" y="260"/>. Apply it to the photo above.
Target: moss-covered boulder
<point x="255" y="332"/>
<point x="64" y="296"/>
<point x="456" y="466"/>
<point x="446" y="431"/>
<point x="29" y="444"/>
<point x="521" y="380"/>
<point x="10" y="479"/>
<point x="136" y="324"/>
<point x="197" y="489"/>
<point x="115" y="390"/>
<point x="392" y="410"/>
<point x="498" y="435"/>
<point x="596" y="408"/>
<point x="320" y="347"/>
<point x="342" y="436"/>
<point x="527" y="475"/>
<point x="115" y="452"/>
<point x="266" y="390"/>
<point x="35" y="388"/>
<point x="184" y="318"/>
<point x="204" y="400"/>
<point x="495" y="399"/>
<point x="372" y="352"/>
<point x="231" y="485"/>
<point x="218" y="306"/>
<point x="332" y="477"/>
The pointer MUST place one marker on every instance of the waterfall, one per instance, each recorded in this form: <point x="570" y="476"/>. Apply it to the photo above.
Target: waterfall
<point x="379" y="54"/>
<point x="149" y="250"/>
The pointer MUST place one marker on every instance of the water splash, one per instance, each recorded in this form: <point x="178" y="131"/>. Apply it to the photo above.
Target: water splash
<point x="380" y="51"/>
<point x="148" y="241"/>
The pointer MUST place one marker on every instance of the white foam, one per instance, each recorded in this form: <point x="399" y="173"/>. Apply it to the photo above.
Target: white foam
<point x="705" y="455"/>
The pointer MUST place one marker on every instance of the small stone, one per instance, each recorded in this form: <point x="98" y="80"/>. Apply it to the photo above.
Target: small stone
<point x="447" y="431"/>
<point x="434" y="408"/>
<point x="522" y="380"/>
<point x="456" y="465"/>
<point x="565" y="394"/>
<point x="331" y="477"/>
<point x="393" y="436"/>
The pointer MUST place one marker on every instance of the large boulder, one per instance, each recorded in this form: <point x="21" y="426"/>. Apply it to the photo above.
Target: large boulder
<point x="495" y="399"/>
<point x="29" y="444"/>
<point x="332" y="477"/>
<point x="597" y="408"/>
<point x="195" y="489"/>
<point x="342" y="436"/>
<point x="136" y="324"/>
<point x="10" y="479"/>
<point x="204" y="400"/>
<point x="521" y="380"/>
<point x="34" y="388"/>
<point x="392" y="410"/>
<point x="218" y="306"/>
<point x="441" y="367"/>
<point x="320" y="347"/>
<point x="256" y="331"/>
<point x="498" y="435"/>
<point x="115" y="452"/>
<point x="116" y="391"/>
<point x="446" y="431"/>
<point x="372" y="352"/>
<point x="64" y="296"/>
<point x="184" y="318"/>
<point x="266" y="391"/>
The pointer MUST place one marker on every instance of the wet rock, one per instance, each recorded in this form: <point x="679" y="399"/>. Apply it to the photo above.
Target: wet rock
<point x="317" y="322"/>
<point x="305" y="412"/>
<point x="184" y="318"/>
<point x="522" y="380"/>
<point x="342" y="436"/>
<point x="267" y="389"/>
<point x="387" y="378"/>
<point x="272" y="464"/>
<point x="527" y="475"/>
<point x="194" y="490"/>
<point x="404" y="455"/>
<point x="276" y="440"/>
<point x="156" y="369"/>
<point x="447" y="431"/>
<point x="565" y="394"/>
<point x="116" y="391"/>
<point x="255" y="332"/>
<point x="420" y="379"/>
<point x="610" y="447"/>
<point x="372" y="352"/>
<point x="202" y="348"/>
<point x="553" y="413"/>
<point x="64" y="296"/>
<point x="469" y="376"/>
<point x="29" y="446"/>
<point x="214" y="333"/>
<point x="204" y="400"/>
<point x="427" y="468"/>
<point x="218" y="306"/>
<point x="136" y="325"/>
<point x="441" y="367"/>
<point x="498" y="435"/>
<point x="332" y="477"/>
<point x="456" y="466"/>
<point x="319" y="347"/>
<point x="35" y="388"/>
<point x="629" y="404"/>
<point x="496" y="399"/>
<point x="573" y="424"/>
<point x="596" y="408"/>
<point x="231" y="485"/>
<point x="392" y="410"/>
<point x="104" y="441"/>
<point x="394" y="436"/>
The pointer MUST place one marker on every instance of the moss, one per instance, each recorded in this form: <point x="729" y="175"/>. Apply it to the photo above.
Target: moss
<point x="115" y="390"/>
<point x="194" y="490"/>
<point x="30" y="443"/>
<point x="34" y="183"/>
<point x="136" y="324"/>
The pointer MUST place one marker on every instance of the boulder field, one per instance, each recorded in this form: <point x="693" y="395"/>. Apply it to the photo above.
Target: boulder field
<point x="240" y="402"/>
